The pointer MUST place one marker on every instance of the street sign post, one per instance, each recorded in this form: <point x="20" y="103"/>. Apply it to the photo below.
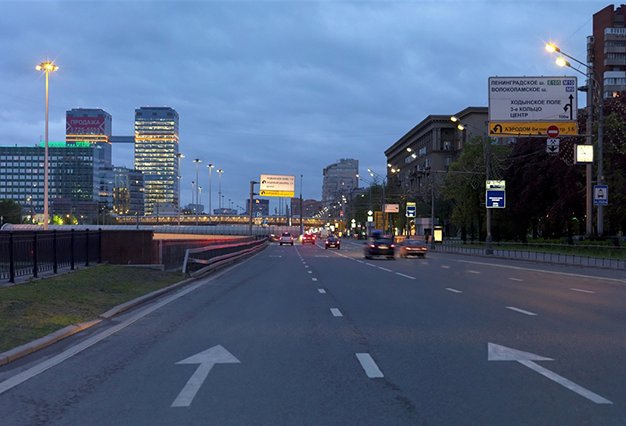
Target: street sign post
<point x="600" y="195"/>
<point x="532" y="106"/>
<point x="277" y="186"/>
<point x="495" y="198"/>
<point x="410" y="209"/>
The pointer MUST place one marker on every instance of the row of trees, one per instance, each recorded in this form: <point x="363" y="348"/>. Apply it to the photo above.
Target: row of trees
<point x="545" y="193"/>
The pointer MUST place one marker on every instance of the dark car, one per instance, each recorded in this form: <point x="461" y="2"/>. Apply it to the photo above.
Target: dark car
<point x="379" y="247"/>
<point x="413" y="248"/>
<point x="333" y="242"/>
<point x="308" y="239"/>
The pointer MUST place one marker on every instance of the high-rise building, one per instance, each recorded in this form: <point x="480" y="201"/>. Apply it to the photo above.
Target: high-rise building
<point x="156" y="149"/>
<point x="74" y="182"/>
<point x="606" y="50"/>
<point x="339" y="179"/>
<point x="128" y="192"/>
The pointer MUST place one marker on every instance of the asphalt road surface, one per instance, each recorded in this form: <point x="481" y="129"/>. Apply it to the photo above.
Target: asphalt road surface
<point x="306" y="336"/>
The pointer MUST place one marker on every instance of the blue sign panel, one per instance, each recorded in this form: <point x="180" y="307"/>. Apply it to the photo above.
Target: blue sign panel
<point x="495" y="199"/>
<point x="600" y="195"/>
<point x="410" y="209"/>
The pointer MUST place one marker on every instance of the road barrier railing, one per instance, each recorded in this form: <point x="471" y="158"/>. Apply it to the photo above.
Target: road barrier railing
<point x="203" y="259"/>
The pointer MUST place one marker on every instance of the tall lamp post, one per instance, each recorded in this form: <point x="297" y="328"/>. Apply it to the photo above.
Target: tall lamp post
<point x="47" y="67"/>
<point x="179" y="156"/>
<point x="210" y="167"/>
<point x="219" y="187"/>
<point x="374" y="175"/>
<point x="593" y="88"/>
<point x="487" y="159"/>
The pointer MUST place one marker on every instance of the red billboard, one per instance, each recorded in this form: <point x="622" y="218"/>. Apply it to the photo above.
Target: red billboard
<point x="84" y="125"/>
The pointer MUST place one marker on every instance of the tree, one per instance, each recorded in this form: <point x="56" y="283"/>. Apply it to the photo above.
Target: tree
<point x="10" y="211"/>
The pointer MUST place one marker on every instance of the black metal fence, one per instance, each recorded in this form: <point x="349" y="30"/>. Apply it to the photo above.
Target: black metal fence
<point x="26" y="253"/>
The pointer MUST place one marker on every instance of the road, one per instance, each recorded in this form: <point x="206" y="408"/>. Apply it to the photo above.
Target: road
<point x="302" y="335"/>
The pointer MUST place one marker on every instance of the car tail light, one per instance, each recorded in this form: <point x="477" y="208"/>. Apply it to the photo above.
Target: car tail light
<point x="373" y="245"/>
<point x="391" y="245"/>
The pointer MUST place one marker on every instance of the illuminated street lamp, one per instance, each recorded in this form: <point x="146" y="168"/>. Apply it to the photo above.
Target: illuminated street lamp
<point x="592" y="88"/>
<point x="47" y="67"/>
<point x="179" y="156"/>
<point x="210" y="167"/>
<point x="374" y="175"/>
<point x="219" y="187"/>
<point x="487" y="159"/>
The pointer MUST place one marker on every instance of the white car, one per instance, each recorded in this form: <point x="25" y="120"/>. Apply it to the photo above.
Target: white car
<point x="285" y="238"/>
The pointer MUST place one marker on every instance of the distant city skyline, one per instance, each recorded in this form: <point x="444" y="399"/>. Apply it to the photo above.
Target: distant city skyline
<point x="273" y="87"/>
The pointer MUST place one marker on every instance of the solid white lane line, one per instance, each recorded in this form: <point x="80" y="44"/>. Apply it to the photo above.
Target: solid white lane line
<point x="453" y="290"/>
<point x="471" y="271"/>
<point x="445" y="266"/>
<point x="384" y="269"/>
<point x="321" y="290"/>
<point x="580" y="290"/>
<point x="336" y="312"/>
<point x="519" y="268"/>
<point x="314" y="279"/>
<point x="405" y="276"/>
<point x="521" y="311"/>
<point x="371" y="369"/>
<point x="516" y="279"/>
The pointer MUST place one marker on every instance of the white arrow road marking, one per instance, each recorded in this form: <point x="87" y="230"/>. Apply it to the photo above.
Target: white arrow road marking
<point x="371" y="369"/>
<point x="503" y="353"/>
<point x="207" y="359"/>
<point x="521" y="311"/>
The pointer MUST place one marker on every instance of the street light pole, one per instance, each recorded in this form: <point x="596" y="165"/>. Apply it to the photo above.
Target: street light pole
<point x="219" y="187"/>
<point x="210" y="167"/>
<point x="179" y="156"/>
<point x="47" y="67"/>
<point x="593" y="88"/>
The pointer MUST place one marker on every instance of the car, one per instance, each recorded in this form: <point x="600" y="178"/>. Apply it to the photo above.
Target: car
<point x="332" y="241"/>
<point x="308" y="239"/>
<point x="379" y="247"/>
<point x="415" y="248"/>
<point x="286" y="238"/>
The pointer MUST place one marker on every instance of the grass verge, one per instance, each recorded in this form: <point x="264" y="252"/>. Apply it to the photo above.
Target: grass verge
<point x="32" y="310"/>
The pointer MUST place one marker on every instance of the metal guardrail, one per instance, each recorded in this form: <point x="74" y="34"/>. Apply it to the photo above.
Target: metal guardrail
<point x="552" y="253"/>
<point x="24" y="254"/>
<point x="203" y="258"/>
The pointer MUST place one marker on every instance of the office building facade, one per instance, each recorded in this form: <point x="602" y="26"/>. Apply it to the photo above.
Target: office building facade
<point x="128" y="192"/>
<point x="156" y="149"/>
<point x="339" y="179"/>
<point x="75" y="177"/>
<point x="606" y="50"/>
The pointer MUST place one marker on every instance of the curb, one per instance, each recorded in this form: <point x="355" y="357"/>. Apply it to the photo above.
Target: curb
<point x="45" y="341"/>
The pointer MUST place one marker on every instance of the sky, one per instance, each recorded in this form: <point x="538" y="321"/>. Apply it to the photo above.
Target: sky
<point x="273" y="87"/>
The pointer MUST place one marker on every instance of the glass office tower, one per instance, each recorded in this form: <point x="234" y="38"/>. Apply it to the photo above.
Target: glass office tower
<point x="156" y="147"/>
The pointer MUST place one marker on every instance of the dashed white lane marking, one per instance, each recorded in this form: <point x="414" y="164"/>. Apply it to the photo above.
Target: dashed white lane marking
<point x="371" y="369"/>
<point x="309" y="272"/>
<point x="336" y="312"/>
<point x="371" y="264"/>
<point x="360" y="261"/>
<point x="384" y="269"/>
<point x="306" y="266"/>
<point x="580" y="290"/>
<point x="445" y="266"/>
<point x="516" y="279"/>
<point x="274" y="255"/>
<point x="453" y="290"/>
<point x="314" y="279"/>
<point x="405" y="276"/>
<point x="471" y="271"/>
<point x="321" y="290"/>
<point x="521" y="311"/>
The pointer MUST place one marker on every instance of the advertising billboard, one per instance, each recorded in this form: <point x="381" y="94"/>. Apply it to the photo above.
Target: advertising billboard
<point x="84" y="125"/>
